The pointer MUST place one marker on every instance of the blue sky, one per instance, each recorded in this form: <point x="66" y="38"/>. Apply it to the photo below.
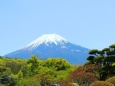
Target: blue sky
<point x="89" y="23"/>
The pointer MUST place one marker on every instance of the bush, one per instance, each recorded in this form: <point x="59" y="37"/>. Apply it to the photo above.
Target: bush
<point x="111" y="80"/>
<point x="74" y="84"/>
<point x="101" y="83"/>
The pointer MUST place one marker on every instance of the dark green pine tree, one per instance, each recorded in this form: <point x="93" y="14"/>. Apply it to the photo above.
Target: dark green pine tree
<point x="106" y="59"/>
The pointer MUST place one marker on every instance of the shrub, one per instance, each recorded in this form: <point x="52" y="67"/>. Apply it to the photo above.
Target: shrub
<point x="82" y="77"/>
<point x="111" y="80"/>
<point x="74" y="84"/>
<point x="101" y="83"/>
<point x="65" y="83"/>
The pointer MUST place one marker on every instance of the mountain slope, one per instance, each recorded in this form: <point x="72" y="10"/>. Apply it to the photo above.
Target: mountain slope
<point x="53" y="45"/>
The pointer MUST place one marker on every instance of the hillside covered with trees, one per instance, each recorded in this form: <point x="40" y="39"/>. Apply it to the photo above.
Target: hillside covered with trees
<point x="98" y="71"/>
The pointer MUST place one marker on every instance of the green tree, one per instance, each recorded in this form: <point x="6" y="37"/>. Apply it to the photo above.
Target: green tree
<point x="14" y="64"/>
<point x="57" y="63"/>
<point x="34" y="64"/>
<point x="105" y="59"/>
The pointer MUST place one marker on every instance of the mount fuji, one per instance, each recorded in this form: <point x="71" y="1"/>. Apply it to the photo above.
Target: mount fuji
<point x="52" y="46"/>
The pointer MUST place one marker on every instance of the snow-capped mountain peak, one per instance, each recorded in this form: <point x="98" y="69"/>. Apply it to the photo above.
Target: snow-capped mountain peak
<point x="47" y="38"/>
<point x="52" y="46"/>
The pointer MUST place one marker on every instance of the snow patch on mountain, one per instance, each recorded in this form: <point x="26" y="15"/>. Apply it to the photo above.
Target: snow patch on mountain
<point x="46" y="39"/>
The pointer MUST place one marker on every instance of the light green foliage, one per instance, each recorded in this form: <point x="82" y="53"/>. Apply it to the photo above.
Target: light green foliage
<point x="2" y="67"/>
<point x="74" y="84"/>
<point x="57" y="63"/>
<point x="51" y="71"/>
<point x="62" y="75"/>
<point x="61" y="64"/>
<point x="34" y="81"/>
<point x="34" y="64"/>
<point x="4" y="71"/>
<point x="7" y="72"/>
<point x="34" y="61"/>
<point x="26" y="70"/>
<point x="35" y="72"/>
<point x="20" y="75"/>
<point x="53" y="75"/>
<point x="14" y="80"/>
<point x="14" y="64"/>
<point x="23" y="82"/>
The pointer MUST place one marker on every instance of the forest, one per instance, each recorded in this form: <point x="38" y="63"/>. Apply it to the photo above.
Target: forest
<point x="99" y="70"/>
